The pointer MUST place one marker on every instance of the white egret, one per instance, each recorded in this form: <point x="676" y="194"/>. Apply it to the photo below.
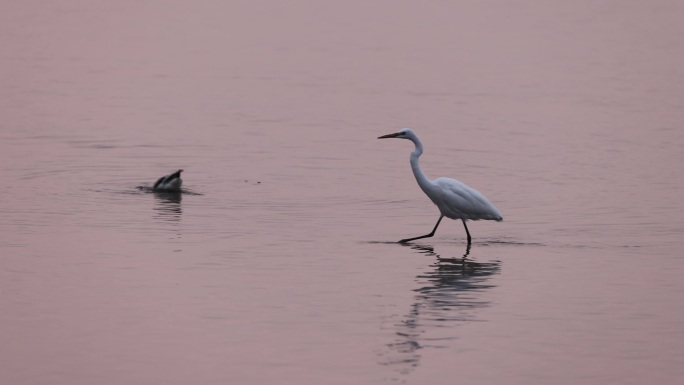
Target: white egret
<point x="171" y="182"/>
<point x="454" y="199"/>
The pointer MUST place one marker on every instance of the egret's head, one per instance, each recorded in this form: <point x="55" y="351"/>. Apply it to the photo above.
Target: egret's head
<point x="405" y="133"/>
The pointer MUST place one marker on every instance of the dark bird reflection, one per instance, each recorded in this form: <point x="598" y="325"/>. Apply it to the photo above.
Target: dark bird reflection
<point x="168" y="206"/>
<point x="449" y="294"/>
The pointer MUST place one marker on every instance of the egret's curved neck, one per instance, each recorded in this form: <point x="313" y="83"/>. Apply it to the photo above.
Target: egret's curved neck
<point x="421" y="178"/>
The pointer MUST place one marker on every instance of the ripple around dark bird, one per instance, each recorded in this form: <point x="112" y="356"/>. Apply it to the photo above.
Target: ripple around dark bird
<point x="150" y="190"/>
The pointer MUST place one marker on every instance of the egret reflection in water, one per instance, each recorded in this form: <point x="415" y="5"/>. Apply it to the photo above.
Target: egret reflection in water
<point x="449" y="293"/>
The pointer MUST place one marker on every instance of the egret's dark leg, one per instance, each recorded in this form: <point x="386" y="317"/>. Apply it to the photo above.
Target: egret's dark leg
<point x="426" y="235"/>
<point x="467" y="232"/>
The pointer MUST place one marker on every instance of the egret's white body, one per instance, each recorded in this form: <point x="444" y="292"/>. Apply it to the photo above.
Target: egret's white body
<point x="454" y="199"/>
<point x="171" y="182"/>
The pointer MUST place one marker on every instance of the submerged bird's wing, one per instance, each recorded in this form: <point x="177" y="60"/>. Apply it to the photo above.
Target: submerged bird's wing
<point x="175" y="175"/>
<point x="160" y="181"/>
<point x="166" y="179"/>
<point x="460" y="198"/>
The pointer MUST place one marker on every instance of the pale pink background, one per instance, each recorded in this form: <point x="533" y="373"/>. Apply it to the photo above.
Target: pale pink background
<point x="277" y="267"/>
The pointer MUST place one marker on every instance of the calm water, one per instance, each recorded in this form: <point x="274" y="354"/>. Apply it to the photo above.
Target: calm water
<point x="279" y="265"/>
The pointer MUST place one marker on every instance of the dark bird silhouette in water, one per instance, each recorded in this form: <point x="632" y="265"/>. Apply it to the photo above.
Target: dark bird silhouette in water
<point x="171" y="182"/>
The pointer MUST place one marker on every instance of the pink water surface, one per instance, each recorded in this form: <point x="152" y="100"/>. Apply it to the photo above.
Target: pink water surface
<point x="279" y="263"/>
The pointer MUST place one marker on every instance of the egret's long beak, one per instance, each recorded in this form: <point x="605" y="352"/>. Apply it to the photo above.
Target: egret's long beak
<point x="389" y="136"/>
